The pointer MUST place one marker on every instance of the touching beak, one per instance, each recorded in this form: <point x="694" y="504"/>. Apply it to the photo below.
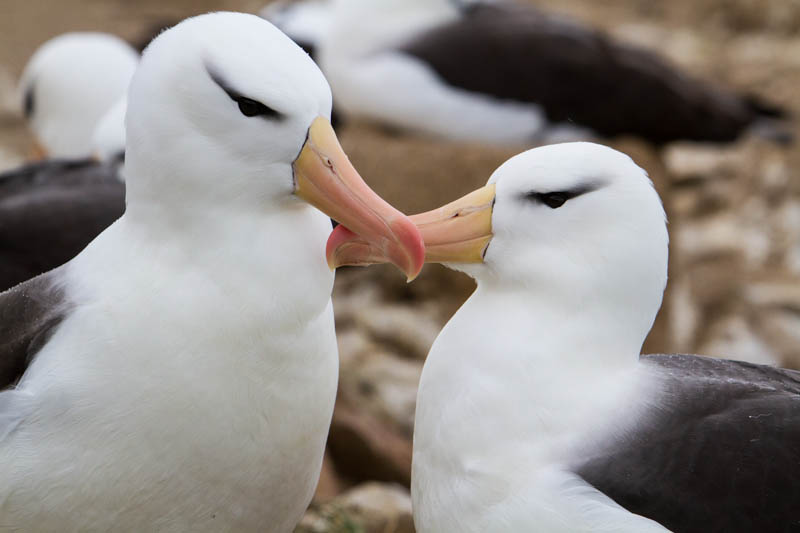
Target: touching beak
<point x="326" y="179"/>
<point x="458" y="232"/>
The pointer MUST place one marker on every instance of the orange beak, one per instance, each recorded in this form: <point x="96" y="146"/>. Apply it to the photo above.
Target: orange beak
<point x="458" y="232"/>
<point x="326" y="179"/>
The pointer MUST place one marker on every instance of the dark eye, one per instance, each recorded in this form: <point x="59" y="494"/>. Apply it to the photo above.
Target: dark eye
<point x="252" y="108"/>
<point x="556" y="199"/>
<point x="552" y="200"/>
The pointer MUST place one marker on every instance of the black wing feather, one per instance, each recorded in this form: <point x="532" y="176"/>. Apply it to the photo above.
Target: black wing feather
<point x="50" y="211"/>
<point x="720" y="453"/>
<point x="29" y="314"/>
<point x="579" y="75"/>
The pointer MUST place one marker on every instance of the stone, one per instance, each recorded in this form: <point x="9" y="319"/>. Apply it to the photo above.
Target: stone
<point x="777" y="293"/>
<point x="781" y="328"/>
<point x="10" y="107"/>
<point x="384" y="385"/>
<point x="330" y="482"/>
<point x="365" y="448"/>
<point x="731" y="337"/>
<point x="723" y="234"/>
<point x="367" y="508"/>
<point x="691" y="161"/>
<point x="406" y="329"/>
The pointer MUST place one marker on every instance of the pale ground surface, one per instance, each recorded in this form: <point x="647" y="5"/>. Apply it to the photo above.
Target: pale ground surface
<point x="734" y="219"/>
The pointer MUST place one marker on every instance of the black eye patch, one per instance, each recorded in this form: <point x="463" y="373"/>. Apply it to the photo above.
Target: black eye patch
<point x="555" y="199"/>
<point x="248" y="106"/>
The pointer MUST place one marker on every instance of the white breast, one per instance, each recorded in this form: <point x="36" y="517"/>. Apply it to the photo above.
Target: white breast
<point x="200" y="403"/>
<point x="499" y="422"/>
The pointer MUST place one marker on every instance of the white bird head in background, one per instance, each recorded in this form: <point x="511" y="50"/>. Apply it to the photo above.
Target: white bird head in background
<point x="69" y="83"/>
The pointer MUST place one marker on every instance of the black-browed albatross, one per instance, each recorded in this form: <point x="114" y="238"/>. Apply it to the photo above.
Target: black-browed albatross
<point x="535" y="411"/>
<point x="68" y="85"/>
<point x="503" y="72"/>
<point x="179" y="374"/>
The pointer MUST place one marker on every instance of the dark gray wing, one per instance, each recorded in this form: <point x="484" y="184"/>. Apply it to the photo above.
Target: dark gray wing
<point x="50" y="211"/>
<point x="29" y="314"/>
<point x="580" y="75"/>
<point x="720" y="453"/>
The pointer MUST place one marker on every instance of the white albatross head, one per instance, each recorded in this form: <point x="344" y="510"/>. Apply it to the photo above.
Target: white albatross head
<point x="577" y="223"/>
<point x="69" y="83"/>
<point x="225" y="110"/>
<point x="108" y="138"/>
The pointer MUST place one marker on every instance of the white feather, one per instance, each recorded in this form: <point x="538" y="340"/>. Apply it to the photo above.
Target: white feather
<point x="540" y="365"/>
<point x="192" y="384"/>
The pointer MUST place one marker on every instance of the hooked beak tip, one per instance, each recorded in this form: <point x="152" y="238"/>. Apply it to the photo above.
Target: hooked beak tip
<point x="405" y="249"/>
<point x="410" y="244"/>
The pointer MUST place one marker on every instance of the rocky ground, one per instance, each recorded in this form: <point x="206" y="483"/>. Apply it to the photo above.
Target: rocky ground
<point x="734" y="211"/>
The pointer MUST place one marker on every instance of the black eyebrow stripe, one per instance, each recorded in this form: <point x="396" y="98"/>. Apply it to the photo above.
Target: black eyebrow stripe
<point x="215" y="76"/>
<point x="568" y="193"/>
<point x="233" y="94"/>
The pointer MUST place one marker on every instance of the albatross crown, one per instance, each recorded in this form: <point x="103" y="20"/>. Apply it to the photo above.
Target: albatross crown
<point x="185" y="109"/>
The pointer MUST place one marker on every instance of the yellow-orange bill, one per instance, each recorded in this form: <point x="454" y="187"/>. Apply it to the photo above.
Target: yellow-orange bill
<point x="458" y="232"/>
<point x="325" y="178"/>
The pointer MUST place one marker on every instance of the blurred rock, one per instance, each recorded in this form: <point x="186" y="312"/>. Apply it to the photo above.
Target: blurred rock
<point x="731" y="337"/>
<point x="367" y="508"/>
<point x="383" y="385"/>
<point x="408" y="330"/>
<point x="787" y="234"/>
<point x="774" y="16"/>
<point x="779" y="293"/>
<point x="364" y="448"/>
<point x="353" y="344"/>
<point x="781" y="328"/>
<point x="723" y="235"/>
<point x="9" y="160"/>
<point x="438" y="290"/>
<point x="417" y="174"/>
<point x="9" y="102"/>
<point x="330" y="483"/>
<point x="698" y="162"/>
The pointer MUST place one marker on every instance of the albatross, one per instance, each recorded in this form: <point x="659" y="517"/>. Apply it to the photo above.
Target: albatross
<point x="536" y="412"/>
<point x="179" y="374"/>
<point x="502" y="72"/>
<point x="69" y="84"/>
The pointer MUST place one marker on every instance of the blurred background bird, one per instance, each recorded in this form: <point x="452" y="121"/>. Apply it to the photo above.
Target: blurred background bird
<point x="733" y="204"/>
